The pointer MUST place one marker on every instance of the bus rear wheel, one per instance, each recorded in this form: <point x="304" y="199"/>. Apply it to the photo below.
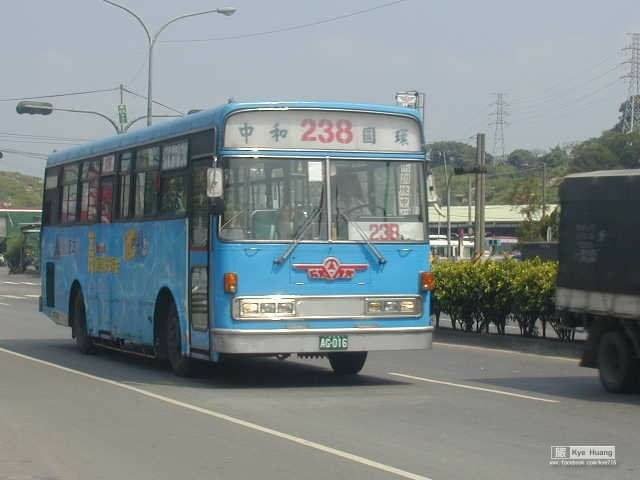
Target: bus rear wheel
<point x="616" y="365"/>
<point x="79" y="326"/>
<point x="180" y="364"/>
<point x="347" y="363"/>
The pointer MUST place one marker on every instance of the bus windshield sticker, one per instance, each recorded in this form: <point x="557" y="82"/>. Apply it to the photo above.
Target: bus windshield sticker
<point x="323" y="129"/>
<point x="315" y="172"/>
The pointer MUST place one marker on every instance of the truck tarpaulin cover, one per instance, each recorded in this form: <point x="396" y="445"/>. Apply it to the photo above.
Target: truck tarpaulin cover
<point x="600" y="232"/>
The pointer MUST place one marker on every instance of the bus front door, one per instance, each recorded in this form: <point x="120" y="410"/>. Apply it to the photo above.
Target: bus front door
<point x="199" y="247"/>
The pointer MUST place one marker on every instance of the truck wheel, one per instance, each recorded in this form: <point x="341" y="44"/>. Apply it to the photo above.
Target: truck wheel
<point x="347" y="363"/>
<point x="617" y="367"/>
<point x="79" y="327"/>
<point x="180" y="364"/>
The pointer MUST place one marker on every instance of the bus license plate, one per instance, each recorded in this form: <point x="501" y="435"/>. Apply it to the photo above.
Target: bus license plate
<point x="334" y="342"/>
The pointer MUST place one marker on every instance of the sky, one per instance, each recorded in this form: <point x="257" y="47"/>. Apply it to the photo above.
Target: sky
<point x="558" y="63"/>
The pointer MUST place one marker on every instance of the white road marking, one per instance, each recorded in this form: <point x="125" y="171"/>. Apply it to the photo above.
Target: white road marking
<point x="31" y="295"/>
<point x="15" y="297"/>
<point x="502" y="350"/>
<point x="12" y="283"/>
<point x="471" y="387"/>
<point x="5" y="304"/>
<point x="31" y="283"/>
<point x="228" y="418"/>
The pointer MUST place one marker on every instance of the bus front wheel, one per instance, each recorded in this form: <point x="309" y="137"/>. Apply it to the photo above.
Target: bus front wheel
<point x="347" y="363"/>
<point x="79" y="326"/>
<point x="180" y="364"/>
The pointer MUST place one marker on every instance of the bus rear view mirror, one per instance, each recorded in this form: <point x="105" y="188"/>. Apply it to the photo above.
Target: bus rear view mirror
<point x="214" y="183"/>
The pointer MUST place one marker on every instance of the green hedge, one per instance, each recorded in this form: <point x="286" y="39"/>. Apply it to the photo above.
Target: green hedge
<point x="478" y="294"/>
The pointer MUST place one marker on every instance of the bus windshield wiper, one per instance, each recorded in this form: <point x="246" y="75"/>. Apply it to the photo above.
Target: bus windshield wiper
<point x="377" y="253"/>
<point x="303" y="229"/>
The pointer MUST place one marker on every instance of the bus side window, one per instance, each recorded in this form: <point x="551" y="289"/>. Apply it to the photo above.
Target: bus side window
<point x="125" y="180"/>
<point x="173" y="184"/>
<point x="89" y="191"/>
<point x="51" y="213"/>
<point x="69" y="193"/>
<point x="147" y="182"/>
<point x="107" y="183"/>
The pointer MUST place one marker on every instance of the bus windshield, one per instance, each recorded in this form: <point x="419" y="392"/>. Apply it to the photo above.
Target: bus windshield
<point x="272" y="199"/>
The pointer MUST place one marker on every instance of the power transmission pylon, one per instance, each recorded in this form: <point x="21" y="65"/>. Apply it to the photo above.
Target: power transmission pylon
<point x="631" y="118"/>
<point x="499" y="122"/>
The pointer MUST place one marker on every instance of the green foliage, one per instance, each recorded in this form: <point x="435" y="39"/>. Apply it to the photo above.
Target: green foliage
<point x="477" y="294"/>
<point x="15" y="243"/>
<point x="20" y="191"/>
<point x="457" y="153"/>
<point x="522" y="158"/>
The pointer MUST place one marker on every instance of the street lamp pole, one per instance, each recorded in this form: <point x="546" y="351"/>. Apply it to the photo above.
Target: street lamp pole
<point x="152" y="39"/>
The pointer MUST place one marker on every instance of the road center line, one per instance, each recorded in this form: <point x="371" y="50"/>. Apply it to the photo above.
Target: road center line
<point x="471" y="387"/>
<point x="227" y="418"/>
<point x="31" y="295"/>
<point x="15" y="297"/>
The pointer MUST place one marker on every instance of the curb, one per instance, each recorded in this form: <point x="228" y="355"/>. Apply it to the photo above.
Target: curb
<point x="538" y="346"/>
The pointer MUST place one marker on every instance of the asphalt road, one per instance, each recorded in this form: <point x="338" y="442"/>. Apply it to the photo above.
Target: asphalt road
<point x="454" y="412"/>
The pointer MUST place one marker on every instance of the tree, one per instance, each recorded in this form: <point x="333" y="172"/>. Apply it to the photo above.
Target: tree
<point x="624" y="120"/>
<point x="522" y="158"/>
<point x="593" y="155"/>
<point x="456" y="152"/>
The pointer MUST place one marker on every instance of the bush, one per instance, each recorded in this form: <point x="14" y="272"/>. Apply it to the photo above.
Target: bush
<point x="478" y="294"/>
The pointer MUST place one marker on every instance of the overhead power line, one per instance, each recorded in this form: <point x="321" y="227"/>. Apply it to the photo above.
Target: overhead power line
<point x="24" y="153"/>
<point x="154" y="101"/>
<point x="289" y="28"/>
<point x="43" y="137"/>
<point x="66" y="94"/>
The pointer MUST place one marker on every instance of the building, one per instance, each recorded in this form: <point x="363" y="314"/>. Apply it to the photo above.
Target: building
<point x="500" y="220"/>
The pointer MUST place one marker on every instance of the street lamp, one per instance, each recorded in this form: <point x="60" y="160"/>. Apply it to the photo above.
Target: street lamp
<point x="226" y="11"/>
<point x="45" y="108"/>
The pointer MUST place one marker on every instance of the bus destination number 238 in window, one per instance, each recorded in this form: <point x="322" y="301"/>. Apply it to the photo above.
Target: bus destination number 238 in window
<point x="318" y="129"/>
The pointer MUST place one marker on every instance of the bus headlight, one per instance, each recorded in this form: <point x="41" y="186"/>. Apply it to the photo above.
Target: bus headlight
<point x="267" y="308"/>
<point x="392" y="306"/>
<point x="249" y="308"/>
<point x="408" y="306"/>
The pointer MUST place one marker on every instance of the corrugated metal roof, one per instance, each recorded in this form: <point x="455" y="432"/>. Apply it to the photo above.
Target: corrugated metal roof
<point x="606" y="173"/>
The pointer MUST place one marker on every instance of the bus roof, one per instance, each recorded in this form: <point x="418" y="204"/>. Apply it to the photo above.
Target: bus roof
<point x="201" y="121"/>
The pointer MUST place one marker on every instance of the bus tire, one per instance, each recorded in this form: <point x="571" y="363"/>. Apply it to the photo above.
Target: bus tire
<point x="180" y="364"/>
<point x="347" y="363"/>
<point x="84" y="343"/>
<point x="616" y="365"/>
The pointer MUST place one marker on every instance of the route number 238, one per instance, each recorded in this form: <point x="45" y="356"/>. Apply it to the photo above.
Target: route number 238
<point x="326" y="131"/>
<point x="384" y="231"/>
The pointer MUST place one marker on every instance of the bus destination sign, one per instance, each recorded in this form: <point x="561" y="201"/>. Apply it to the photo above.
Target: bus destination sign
<point x="322" y="129"/>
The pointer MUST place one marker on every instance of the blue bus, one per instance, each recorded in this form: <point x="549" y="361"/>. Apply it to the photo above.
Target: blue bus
<point x="265" y="229"/>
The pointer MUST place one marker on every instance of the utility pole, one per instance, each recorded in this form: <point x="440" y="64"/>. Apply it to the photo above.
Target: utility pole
<point x="480" y="180"/>
<point x="469" y="201"/>
<point x="544" y="189"/>
<point x="631" y="119"/>
<point x="499" y="122"/>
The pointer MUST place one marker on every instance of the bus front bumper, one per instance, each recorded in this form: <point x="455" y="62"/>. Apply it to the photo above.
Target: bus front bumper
<point x="309" y="340"/>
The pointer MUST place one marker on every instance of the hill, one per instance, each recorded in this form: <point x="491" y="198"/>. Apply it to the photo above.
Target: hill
<point x="20" y="191"/>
